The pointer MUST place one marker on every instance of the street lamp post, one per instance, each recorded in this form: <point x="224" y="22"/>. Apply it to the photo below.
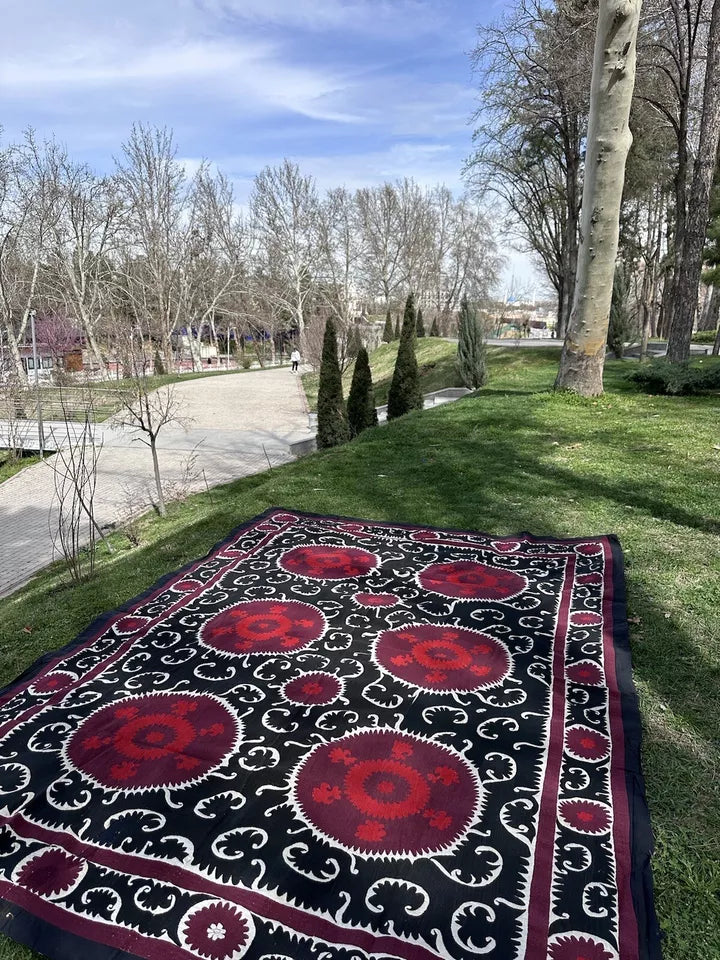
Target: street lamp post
<point x="41" y="430"/>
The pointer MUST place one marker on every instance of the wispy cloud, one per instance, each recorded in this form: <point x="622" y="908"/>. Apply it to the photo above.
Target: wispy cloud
<point x="251" y="74"/>
<point x="367" y="16"/>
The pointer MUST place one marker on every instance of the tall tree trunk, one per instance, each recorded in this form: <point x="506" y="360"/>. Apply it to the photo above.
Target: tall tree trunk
<point x="162" y="510"/>
<point x="709" y="318"/>
<point x="687" y="282"/>
<point x="608" y="142"/>
<point x="14" y="350"/>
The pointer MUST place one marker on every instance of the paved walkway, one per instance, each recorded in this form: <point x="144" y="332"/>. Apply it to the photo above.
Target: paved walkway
<point x="237" y="425"/>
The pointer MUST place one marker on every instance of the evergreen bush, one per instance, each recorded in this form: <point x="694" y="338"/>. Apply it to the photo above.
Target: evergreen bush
<point x="361" y="399"/>
<point x="472" y="354"/>
<point x="434" y="329"/>
<point x="388" y="334"/>
<point x="405" y="393"/>
<point x="396" y="334"/>
<point x="704" y="336"/>
<point x="420" y="323"/>
<point x="332" y="421"/>
<point x="663" y="376"/>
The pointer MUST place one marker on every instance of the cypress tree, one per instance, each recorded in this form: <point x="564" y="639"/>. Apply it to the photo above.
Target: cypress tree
<point x="388" y="330"/>
<point x="471" y="355"/>
<point x="420" y="323"/>
<point x="361" y="399"/>
<point x="331" y="415"/>
<point x="354" y="343"/>
<point x="405" y="393"/>
<point x="434" y="329"/>
<point x="396" y="334"/>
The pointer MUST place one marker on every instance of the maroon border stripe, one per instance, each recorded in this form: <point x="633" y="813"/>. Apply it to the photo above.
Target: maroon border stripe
<point x="302" y="921"/>
<point x="627" y="921"/>
<point x="541" y="887"/>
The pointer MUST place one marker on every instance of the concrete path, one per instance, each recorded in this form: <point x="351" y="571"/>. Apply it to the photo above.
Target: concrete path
<point x="236" y="425"/>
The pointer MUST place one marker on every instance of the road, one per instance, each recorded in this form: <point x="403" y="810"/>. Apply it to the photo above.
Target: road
<point x="235" y="425"/>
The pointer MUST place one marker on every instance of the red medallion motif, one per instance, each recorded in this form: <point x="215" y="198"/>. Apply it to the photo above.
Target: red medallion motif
<point x="53" y="682"/>
<point x="155" y="740"/>
<point x="385" y="794"/>
<point x="187" y="585"/>
<point x="264" y="626"/>
<point x="375" y="599"/>
<point x="313" y="689"/>
<point x="329" y="563"/>
<point x="589" y="549"/>
<point x="585" y="816"/>
<point x="217" y="930"/>
<point x="470" y="580"/>
<point x="131" y="624"/>
<point x="585" y="619"/>
<point x="585" y="671"/>
<point x="443" y="658"/>
<point x="506" y="546"/>
<point x="584" y="743"/>
<point x="51" y="873"/>
<point x="590" y="578"/>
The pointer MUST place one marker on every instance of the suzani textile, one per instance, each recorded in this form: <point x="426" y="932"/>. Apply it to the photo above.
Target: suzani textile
<point x="337" y="740"/>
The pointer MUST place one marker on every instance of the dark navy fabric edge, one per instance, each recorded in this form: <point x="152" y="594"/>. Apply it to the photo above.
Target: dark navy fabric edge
<point x="50" y="941"/>
<point x="642" y="841"/>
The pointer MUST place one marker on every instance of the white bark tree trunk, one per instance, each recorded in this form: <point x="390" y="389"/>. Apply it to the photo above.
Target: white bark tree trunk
<point x="608" y="142"/>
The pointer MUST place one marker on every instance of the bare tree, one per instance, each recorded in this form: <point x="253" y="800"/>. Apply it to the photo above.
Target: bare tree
<point x="672" y="46"/>
<point x="73" y="525"/>
<point x="284" y="207"/>
<point x="687" y="280"/>
<point x="154" y="191"/>
<point x="341" y="250"/>
<point x="147" y="411"/>
<point x="608" y="142"/>
<point x="533" y="66"/>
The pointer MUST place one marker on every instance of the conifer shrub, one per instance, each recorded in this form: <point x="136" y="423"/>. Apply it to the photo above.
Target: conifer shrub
<point x="472" y="353"/>
<point x="663" y="376"/>
<point x="332" y="424"/>
<point x="388" y="334"/>
<point x="405" y="392"/>
<point x="420" y="323"/>
<point x="361" y="399"/>
<point x="434" y="329"/>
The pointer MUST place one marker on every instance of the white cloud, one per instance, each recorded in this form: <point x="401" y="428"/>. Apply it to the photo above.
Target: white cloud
<point x="367" y="16"/>
<point x="253" y="75"/>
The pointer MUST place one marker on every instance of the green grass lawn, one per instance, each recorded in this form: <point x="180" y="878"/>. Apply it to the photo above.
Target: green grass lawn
<point x="9" y="466"/>
<point x="514" y="457"/>
<point x="436" y="363"/>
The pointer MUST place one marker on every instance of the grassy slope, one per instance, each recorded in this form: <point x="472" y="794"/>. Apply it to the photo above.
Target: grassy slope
<point x="514" y="459"/>
<point x="8" y="467"/>
<point x="436" y="362"/>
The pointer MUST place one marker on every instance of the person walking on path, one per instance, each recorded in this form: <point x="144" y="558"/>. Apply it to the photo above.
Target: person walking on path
<point x="295" y="360"/>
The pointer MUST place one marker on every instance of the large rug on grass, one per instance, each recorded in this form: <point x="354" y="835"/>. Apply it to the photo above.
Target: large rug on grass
<point x="335" y="740"/>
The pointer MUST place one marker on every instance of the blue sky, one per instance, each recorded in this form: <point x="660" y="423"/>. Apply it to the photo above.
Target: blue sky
<point x="355" y="91"/>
